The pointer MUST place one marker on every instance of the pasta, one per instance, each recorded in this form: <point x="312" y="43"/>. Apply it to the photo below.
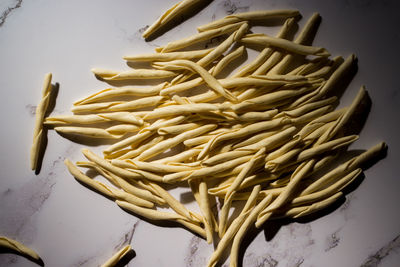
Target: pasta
<point x="175" y="11"/>
<point x="261" y="141"/>
<point x="40" y="114"/>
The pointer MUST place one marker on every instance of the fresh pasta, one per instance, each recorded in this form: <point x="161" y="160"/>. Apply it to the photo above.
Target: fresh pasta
<point x="261" y="139"/>
<point x="40" y="116"/>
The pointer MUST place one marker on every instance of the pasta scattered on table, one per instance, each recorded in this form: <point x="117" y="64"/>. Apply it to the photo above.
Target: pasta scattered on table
<point x="266" y="137"/>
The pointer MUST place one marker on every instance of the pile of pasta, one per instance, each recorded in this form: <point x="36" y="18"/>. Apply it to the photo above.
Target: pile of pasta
<point x="265" y="138"/>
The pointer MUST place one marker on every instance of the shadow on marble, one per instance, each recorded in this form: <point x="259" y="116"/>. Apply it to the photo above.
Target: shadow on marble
<point x="186" y="197"/>
<point x="176" y="21"/>
<point x="126" y="258"/>
<point x="357" y="122"/>
<point x="343" y="83"/>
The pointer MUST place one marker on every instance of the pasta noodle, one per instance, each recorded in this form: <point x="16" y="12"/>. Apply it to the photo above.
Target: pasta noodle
<point x="40" y="114"/>
<point x="263" y="138"/>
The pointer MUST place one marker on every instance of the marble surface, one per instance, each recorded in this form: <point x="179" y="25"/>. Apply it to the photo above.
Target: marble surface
<point x="69" y="225"/>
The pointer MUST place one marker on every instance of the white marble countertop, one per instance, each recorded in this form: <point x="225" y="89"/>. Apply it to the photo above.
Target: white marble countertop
<point x="69" y="225"/>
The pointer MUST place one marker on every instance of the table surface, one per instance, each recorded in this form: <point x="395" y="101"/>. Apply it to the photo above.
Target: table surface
<point x="70" y="225"/>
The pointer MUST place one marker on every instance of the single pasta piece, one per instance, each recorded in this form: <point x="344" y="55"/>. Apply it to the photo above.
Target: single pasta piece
<point x="177" y="110"/>
<point x="149" y="166"/>
<point x="263" y="39"/>
<point x="203" y="36"/>
<point x="18" y="247"/>
<point x="175" y="11"/>
<point x="40" y="113"/>
<point x="209" y="220"/>
<point x="125" y="91"/>
<point x="116" y="258"/>
<point x="113" y="132"/>
<point x="126" y="117"/>
<point x="110" y="75"/>
<point x="258" y="15"/>
<point x="119" y="105"/>
<point x="189" y="55"/>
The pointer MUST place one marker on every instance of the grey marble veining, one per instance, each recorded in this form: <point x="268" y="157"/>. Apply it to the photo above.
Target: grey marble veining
<point x="333" y="240"/>
<point x="290" y="246"/>
<point x="7" y="7"/>
<point x="386" y="251"/>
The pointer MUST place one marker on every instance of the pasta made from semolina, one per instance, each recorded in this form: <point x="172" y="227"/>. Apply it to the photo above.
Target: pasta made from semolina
<point x="248" y="142"/>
